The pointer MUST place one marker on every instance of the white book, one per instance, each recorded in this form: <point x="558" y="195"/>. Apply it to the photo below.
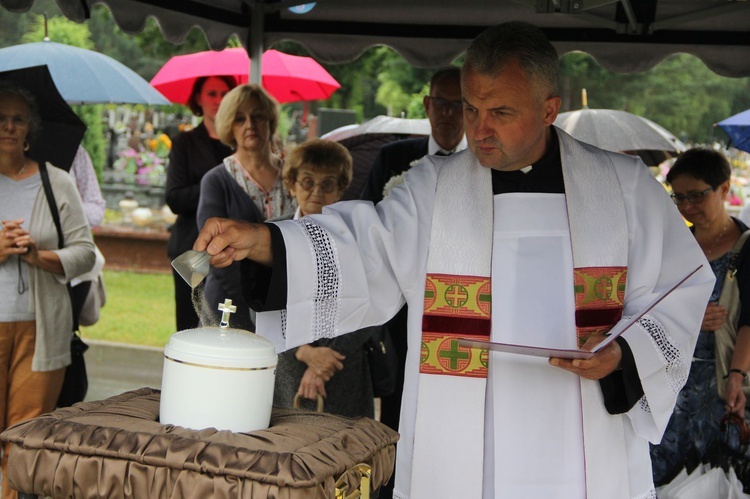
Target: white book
<point x="562" y="353"/>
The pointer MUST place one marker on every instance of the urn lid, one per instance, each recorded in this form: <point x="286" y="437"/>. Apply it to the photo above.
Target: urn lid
<point x="221" y="347"/>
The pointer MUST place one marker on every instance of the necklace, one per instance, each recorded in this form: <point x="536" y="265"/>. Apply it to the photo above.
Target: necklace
<point x="19" y="172"/>
<point x="718" y="238"/>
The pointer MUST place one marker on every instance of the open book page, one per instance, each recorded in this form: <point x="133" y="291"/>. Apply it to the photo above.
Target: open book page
<point x="613" y="334"/>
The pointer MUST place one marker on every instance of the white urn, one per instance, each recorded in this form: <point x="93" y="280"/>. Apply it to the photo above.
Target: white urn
<point x="218" y="377"/>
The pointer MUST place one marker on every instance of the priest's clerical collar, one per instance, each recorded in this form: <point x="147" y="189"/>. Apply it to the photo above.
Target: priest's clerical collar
<point x="544" y="175"/>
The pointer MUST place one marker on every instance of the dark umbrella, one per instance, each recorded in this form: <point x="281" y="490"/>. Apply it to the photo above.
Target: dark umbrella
<point x="738" y="129"/>
<point x="364" y="142"/>
<point x="62" y="130"/>
<point x="364" y="149"/>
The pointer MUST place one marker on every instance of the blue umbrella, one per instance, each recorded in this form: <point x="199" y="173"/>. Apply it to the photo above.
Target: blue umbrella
<point x="83" y="76"/>
<point x="738" y="129"/>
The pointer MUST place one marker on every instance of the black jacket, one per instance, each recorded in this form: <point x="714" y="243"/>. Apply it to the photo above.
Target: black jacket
<point x="393" y="159"/>
<point x="193" y="154"/>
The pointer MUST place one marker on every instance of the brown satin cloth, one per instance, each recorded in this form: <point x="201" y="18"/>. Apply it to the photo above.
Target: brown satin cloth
<point x="116" y="448"/>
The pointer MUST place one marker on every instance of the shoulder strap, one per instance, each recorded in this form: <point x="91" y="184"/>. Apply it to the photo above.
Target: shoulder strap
<point x="56" y="217"/>
<point x="52" y="203"/>
<point x="732" y="269"/>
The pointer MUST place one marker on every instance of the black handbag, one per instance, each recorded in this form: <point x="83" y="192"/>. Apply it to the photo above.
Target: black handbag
<point x="76" y="382"/>
<point x="383" y="360"/>
<point x="729" y="450"/>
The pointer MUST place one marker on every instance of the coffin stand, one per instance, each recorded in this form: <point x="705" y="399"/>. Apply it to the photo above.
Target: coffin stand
<point x="116" y="448"/>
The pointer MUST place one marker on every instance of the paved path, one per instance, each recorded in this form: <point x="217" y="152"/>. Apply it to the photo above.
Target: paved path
<point x="114" y="368"/>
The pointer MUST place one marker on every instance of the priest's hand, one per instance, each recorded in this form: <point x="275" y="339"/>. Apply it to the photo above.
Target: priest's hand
<point x="602" y="364"/>
<point x="228" y="241"/>
<point x="323" y="361"/>
<point x="311" y="385"/>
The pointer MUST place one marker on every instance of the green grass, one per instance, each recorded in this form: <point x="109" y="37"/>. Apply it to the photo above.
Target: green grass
<point x="139" y="309"/>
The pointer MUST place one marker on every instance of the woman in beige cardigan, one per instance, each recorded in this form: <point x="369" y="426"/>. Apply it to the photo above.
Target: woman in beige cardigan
<point x="35" y="313"/>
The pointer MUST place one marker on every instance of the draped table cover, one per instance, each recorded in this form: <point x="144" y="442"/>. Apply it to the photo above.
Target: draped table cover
<point x="116" y="448"/>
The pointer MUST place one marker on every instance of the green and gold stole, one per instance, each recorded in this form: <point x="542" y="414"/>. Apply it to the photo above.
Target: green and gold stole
<point x="458" y="303"/>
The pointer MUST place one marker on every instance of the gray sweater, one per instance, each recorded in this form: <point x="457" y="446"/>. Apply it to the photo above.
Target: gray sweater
<point x="54" y="316"/>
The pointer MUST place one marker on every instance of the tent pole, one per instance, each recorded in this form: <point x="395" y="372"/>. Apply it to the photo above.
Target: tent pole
<point x="255" y="43"/>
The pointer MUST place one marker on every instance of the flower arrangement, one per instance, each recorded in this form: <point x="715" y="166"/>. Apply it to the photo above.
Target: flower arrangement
<point x="161" y="145"/>
<point x="394" y="181"/>
<point x="397" y="180"/>
<point x="145" y="166"/>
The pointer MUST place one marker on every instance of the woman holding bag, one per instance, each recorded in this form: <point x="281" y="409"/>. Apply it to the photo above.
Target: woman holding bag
<point x="700" y="181"/>
<point x="316" y="173"/>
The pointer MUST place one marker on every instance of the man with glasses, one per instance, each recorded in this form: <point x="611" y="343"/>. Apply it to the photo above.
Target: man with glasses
<point x="444" y="109"/>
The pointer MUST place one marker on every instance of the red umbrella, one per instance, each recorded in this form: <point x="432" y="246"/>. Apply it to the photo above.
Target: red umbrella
<point x="288" y="78"/>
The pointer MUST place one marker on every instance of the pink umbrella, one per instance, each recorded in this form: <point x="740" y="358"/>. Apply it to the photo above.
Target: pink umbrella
<point x="289" y="78"/>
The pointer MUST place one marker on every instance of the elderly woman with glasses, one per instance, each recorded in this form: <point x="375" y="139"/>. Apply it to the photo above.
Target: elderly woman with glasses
<point x="246" y="186"/>
<point x="36" y="317"/>
<point x="335" y="370"/>
<point x="700" y="181"/>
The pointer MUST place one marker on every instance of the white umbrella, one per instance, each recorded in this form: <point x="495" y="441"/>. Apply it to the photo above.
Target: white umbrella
<point x="621" y="131"/>
<point x="381" y="124"/>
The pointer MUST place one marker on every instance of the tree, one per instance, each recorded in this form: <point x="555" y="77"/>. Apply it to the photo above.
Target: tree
<point x="680" y="93"/>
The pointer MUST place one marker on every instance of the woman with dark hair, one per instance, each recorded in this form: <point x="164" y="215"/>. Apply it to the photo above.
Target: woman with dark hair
<point x="700" y="181"/>
<point x="36" y="318"/>
<point x="193" y="154"/>
<point x="247" y="186"/>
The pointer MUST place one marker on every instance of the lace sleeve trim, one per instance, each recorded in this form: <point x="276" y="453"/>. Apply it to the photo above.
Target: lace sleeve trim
<point x="677" y="366"/>
<point x="328" y="277"/>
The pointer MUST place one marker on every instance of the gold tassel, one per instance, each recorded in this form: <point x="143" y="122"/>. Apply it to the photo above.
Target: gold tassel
<point x="365" y="474"/>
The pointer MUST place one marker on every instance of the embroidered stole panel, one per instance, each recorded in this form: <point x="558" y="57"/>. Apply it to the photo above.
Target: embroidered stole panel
<point x="454" y="307"/>
<point x="460" y="307"/>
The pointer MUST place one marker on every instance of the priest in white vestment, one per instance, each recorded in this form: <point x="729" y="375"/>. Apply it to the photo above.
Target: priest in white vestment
<point x="530" y="237"/>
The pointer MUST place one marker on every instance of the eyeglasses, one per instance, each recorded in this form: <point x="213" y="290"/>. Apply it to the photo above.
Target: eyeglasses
<point x="445" y="105"/>
<point x="328" y="185"/>
<point x="691" y="197"/>
<point x="16" y="120"/>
